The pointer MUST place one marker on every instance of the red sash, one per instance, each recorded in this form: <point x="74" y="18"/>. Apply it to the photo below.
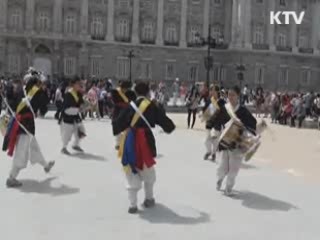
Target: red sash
<point x="13" y="136"/>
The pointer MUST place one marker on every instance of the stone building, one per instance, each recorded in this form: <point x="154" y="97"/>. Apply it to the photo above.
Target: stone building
<point x="94" y="37"/>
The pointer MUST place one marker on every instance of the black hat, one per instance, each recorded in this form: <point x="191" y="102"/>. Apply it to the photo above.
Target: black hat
<point x="125" y="84"/>
<point x="142" y="89"/>
<point x="75" y="79"/>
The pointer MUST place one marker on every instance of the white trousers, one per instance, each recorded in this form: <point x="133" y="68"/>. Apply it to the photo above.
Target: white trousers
<point x="134" y="184"/>
<point x="67" y="130"/>
<point x="26" y="149"/>
<point x="117" y="139"/>
<point x="229" y="166"/>
<point x="211" y="142"/>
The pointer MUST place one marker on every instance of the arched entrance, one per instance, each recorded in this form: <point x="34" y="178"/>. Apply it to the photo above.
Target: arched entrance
<point x="42" y="61"/>
<point x="43" y="64"/>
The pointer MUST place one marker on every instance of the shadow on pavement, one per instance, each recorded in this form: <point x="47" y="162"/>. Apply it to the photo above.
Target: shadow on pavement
<point x="260" y="202"/>
<point x="44" y="187"/>
<point x="89" y="156"/>
<point x="247" y="166"/>
<point x="161" y="214"/>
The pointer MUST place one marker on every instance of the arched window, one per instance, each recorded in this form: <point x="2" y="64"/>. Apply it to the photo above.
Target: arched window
<point x="171" y="33"/>
<point x="16" y="19"/>
<point x="258" y="37"/>
<point x="70" y="24"/>
<point x="43" y="22"/>
<point x="193" y="31"/>
<point x="97" y="27"/>
<point x="303" y="42"/>
<point x="123" y="28"/>
<point x="147" y="31"/>
<point x="282" y="40"/>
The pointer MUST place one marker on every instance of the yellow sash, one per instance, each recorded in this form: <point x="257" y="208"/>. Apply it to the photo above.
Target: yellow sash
<point x="29" y="96"/>
<point x="74" y="94"/>
<point x="142" y="108"/>
<point x="215" y="103"/>
<point x="122" y="95"/>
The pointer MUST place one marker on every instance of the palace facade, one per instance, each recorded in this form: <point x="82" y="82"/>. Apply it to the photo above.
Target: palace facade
<point x="95" y="37"/>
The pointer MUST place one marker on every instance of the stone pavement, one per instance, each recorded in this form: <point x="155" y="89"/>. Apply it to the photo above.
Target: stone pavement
<point x="84" y="197"/>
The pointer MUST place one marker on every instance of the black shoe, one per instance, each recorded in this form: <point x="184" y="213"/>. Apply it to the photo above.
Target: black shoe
<point x="117" y="148"/>
<point x="206" y="156"/>
<point x="47" y="169"/>
<point x="213" y="157"/>
<point x="13" y="183"/>
<point x="219" y="183"/>
<point x="149" y="203"/>
<point x="133" y="210"/>
<point x="77" y="148"/>
<point x="65" y="151"/>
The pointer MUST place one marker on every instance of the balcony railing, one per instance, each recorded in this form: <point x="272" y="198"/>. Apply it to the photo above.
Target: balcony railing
<point x="123" y="39"/>
<point x="169" y="43"/>
<point x="259" y="46"/>
<point x="284" y="48"/>
<point x="98" y="38"/>
<point x="306" y="50"/>
<point x="148" y="41"/>
<point x="193" y="45"/>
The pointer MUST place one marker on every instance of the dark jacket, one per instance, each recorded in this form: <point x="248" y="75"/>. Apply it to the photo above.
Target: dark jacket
<point x="36" y="102"/>
<point x="217" y="120"/>
<point x="154" y="115"/>
<point x="68" y="102"/>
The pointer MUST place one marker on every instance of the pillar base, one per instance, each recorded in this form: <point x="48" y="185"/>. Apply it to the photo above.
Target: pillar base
<point x="109" y="38"/>
<point x="183" y="44"/>
<point x="248" y="45"/>
<point x="272" y="48"/>
<point x="159" y="42"/>
<point x="135" y="39"/>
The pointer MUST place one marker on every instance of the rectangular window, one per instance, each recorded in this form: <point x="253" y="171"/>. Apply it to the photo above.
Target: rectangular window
<point x="96" y="66"/>
<point x="305" y="78"/>
<point x="283" y="76"/>
<point x="193" y="73"/>
<point x="70" y="66"/>
<point x="259" y="74"/>
<point x="170" y="70"/>
<point x="14" y="64"/>
<point x="146" y="70"/>
<point x="122" y="67"/>
<point x="218" y="74"/>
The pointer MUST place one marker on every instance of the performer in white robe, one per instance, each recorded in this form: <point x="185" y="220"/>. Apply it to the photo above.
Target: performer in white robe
<point x="20" y="138"/>
<point x="71" y="121"/>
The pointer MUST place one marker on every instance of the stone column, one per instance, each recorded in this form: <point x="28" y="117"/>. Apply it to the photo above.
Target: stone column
<point x="3" y="15"/>
<point x="30" y="16"/>
<point x="57" y="16"/>
<point x="135" y="21"/>
<point x="29" y="55"/>
<point x="159" y="40"/>
<point x="271" y="28"/>
<point x="247" y="23"/>
<point x="56" y="59"/>
<point x="315" y="27"/>
<point x="237" y="28"/>
<point x="84" y="17"/>
<point x="110" y="32"/>
<point x="2" y="55"/>
<point x="227" y="22"/>
<point x="84" y="59"/>
<point x="206" y="18"/>
<point x="183" y="24"/>
<point x="293" y="30"/>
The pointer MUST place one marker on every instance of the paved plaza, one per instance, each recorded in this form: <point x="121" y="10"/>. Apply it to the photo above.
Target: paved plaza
<point x="84" y="197"/>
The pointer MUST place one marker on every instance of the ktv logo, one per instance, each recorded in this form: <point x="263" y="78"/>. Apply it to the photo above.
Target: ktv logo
<point x="288" y="17"/>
